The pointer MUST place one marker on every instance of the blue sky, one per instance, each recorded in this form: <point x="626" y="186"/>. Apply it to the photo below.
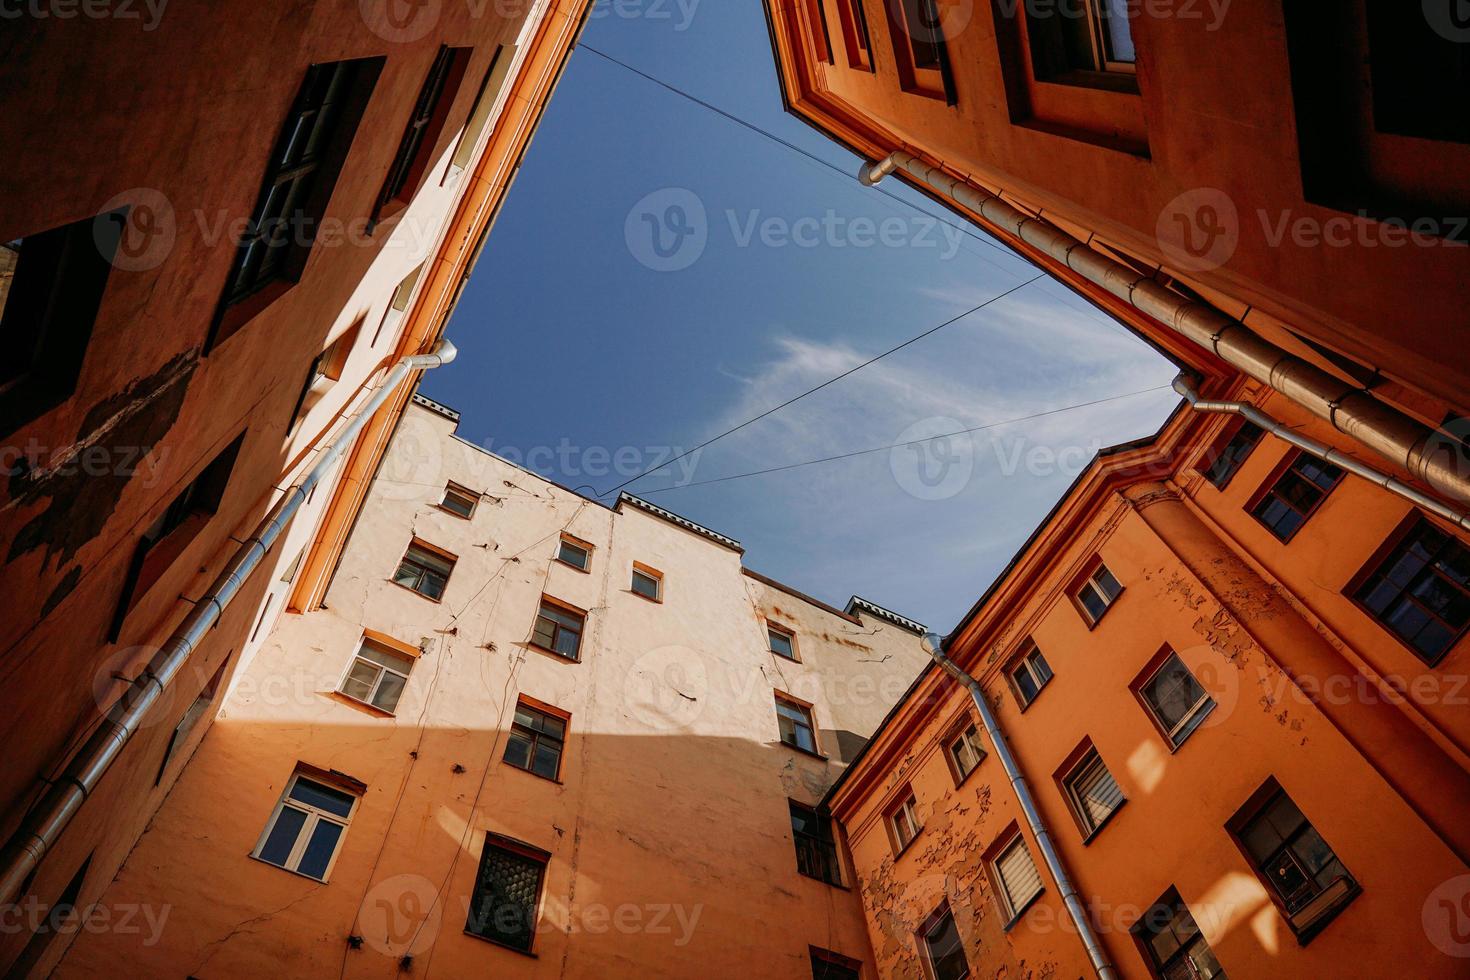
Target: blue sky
<point x="589" y="351"/>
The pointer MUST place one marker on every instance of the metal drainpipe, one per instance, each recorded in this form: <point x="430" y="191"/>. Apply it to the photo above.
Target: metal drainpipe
<point x="1100" y="962"/>
<point x="45" y="823"/>
<point x="1315" y="448"/>
<point x="1423" y="452"/>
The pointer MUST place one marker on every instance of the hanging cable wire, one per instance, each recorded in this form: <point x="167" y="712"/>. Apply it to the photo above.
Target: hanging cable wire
<point x="829" y="381"/>
<point x="911" y="442"/>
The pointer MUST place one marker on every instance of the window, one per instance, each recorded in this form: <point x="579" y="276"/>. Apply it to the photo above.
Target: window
<point x="782" y="641"/>
<point x="325" y="371"/>
<point x="1296" y="495"/>
<point x="559" y="629"/>
<point x="817" y="15"/>
<point x="1016" y="878"/>
<point x="1174" y="699"/>
<point x="575" y="552"/>
<point x="942" y="946"/>
<point x="1092" y="793"/>
<point x="196" y="710"/>
<point x="795" y="722"/>
<point x="459" y="501"/>
<point x="60" y="917"/>
<point x="648" y="582"/>
<point x="1302" y="872"/>
<point x="1072" y="42"/>
<point x="1412" y="54"/>
<point x="1172" y="939"/>
<point x="299" y="177"/>
<point x="289" y="575"/>
<point x="855" y="34"/>
<point x="486" y="101"/>
<point x="306" y="830"/>
<point x="1228" y="458"/>
<point x="1029" y="674"/>
<point x="507" y="893"/>
<point x="173" y="530"/>
<point x="1096" y="594"/>
<point x="827" y="965"/>
<point x="51" y="286"/>
<point x="424" y="570"/>
<point x="1420" y="590"/>
<point x="903" y="822"/>
<point x="816" y="851"/>
<point x="398" y="305"/>
<point x="416" y="148"/>
<point x="536" y="740"/>
<point x="919" y="49"/>
<point x="378" y="675"/>
<point x="965" y="752"/>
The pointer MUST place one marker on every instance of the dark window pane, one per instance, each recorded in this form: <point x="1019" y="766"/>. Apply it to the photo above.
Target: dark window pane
<point x="507" y="888"/>
<point x="781" y="644"/>
<point x="518" y="750"/>
<point x="282" y="839"/>
<point x="548" y="759"/>
<point x="946" y="952"/>
<point x="323" y="797"/>
<point x="1093" y="602"/>
<point x="318" y="853"/>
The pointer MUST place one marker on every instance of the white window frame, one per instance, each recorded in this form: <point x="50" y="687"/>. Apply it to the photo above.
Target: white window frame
<point x="907" y="810"/>
<point x="314" y="816"/>
<point x="357" y="658"/>
<point x="1023" y="662"/>
<point x="964" y="737"/>
<point x="790" y="635"/>
<point x="656" y="577"/>
<point x="567" y="541"/>
<point x="1191" y="718"/>
<point x="1091" y="582"/>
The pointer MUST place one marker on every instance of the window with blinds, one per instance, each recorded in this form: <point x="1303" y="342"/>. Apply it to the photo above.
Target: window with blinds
<point x="1093" y="792"/>
<point x="1016" y="876"/>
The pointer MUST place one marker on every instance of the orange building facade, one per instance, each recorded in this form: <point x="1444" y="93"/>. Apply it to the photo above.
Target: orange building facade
<point x="1285" y="164"/>
<point x="526" y="735"/>
<point x="1267" y="736"/>
<point x="207" y="272"/>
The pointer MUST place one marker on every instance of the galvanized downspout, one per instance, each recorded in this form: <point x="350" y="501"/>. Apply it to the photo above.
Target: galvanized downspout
<point x="1421" y="451"/>
<point x="45" y="823"/>
<point x="1323" y="452"/>
<point x="1100" y="962"/>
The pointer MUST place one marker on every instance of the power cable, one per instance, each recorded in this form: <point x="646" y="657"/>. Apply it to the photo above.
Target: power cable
<point x="911" y="442"/>
<point x="829" y="381"/>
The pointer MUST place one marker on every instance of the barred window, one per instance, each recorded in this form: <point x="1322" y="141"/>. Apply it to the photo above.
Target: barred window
<point x="507" y="893"/>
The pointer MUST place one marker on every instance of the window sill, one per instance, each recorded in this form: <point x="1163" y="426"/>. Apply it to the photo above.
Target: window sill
<point x="416" y="592"/>
<point x="455" y="513"/>
<point x="363" y="706"/>
<point x="289" y="871"/>
<point x="646" y="598"/>
<point x="497" y="942"/>
<point x="530" y="772"/>
<point x="782" y="656"/>
<point x="1090" y="835"/>
<point x="1021" y="913"/>
<point x="578" y="568"/>
<point x="807" y="752"/>
<point x="830" y="884"/>
<point x="1324" y="919"/>
<point x="547" y="650"/>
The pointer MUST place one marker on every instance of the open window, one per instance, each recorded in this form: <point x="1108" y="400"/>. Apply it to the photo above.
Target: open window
<point x="794" y="719"/>
<point x="424" y="569"/>
<point x="379" y="672"/>
<point x="816" y="848"/>
<point x="487" y="102"/>
<point x="51" y="286"/>
<point x="902" y="820"/>
<point x="325" y="371"/>
<point x="172" y="531"/>
<point x="305" y="832"/>
<point x="415" y="154"/>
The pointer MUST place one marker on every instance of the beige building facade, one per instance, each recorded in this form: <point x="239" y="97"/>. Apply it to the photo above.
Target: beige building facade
<point x="526" y="735"/>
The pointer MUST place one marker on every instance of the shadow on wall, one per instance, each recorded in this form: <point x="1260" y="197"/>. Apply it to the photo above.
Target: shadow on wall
<point x="668" y="855"/>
